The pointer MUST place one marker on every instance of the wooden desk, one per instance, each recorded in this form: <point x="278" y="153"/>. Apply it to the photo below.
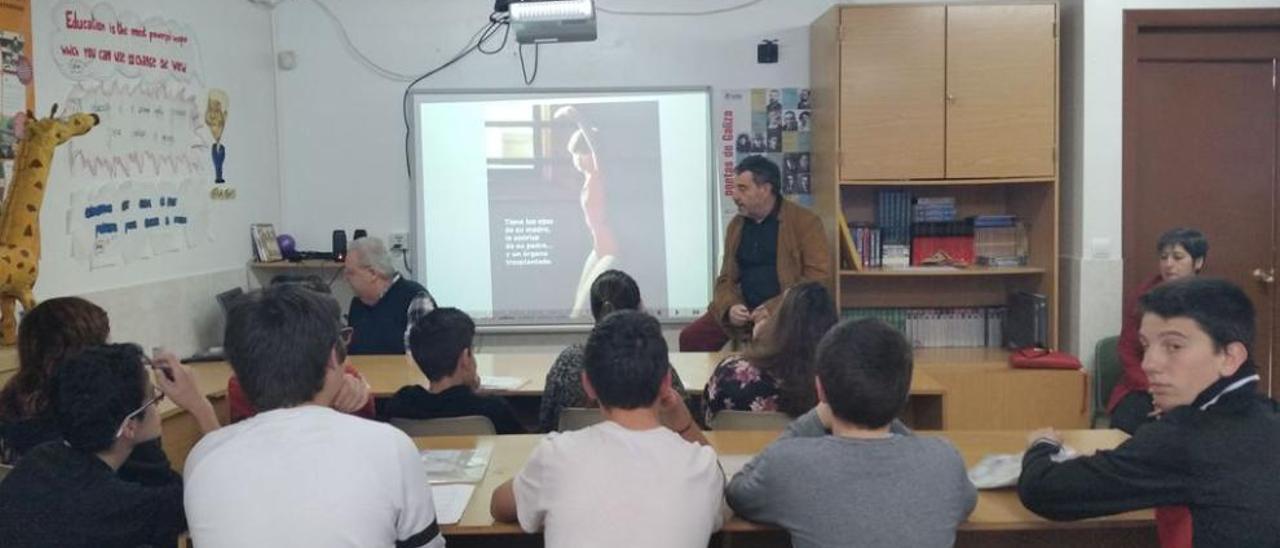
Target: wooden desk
<point x="984" y="393"/>
<point x="179" y="431"/>
<point x="386" y="374"/>
<point x="997" y="511"/>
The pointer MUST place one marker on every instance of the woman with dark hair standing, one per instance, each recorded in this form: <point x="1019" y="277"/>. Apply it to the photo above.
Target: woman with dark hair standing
<point x="612" y="291"/>
<point x="776" y="374"/>
<point x="1181" y="253"/>
<point x="52" y="332"/>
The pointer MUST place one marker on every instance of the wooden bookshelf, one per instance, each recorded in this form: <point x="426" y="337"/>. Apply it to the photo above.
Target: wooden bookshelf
<point x="952" y="182"/>
<point x="949" y="101"/>
<point x="945" y="271"/>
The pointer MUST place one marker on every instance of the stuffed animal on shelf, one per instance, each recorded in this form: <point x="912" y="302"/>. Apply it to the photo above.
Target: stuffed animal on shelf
<point x="20" y="218"/>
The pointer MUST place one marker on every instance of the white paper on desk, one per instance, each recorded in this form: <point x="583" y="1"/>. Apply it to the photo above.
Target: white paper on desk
<point x="501" y="383"/>
<point x="451" y="501"/>
<point x="1002" y="470"/>
<point x="732" y="464"/>
<point x="457" y="465"/>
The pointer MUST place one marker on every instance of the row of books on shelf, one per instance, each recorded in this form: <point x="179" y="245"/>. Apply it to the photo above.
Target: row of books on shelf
<point x="942" y="327"/>
<point x="988" y="240"/>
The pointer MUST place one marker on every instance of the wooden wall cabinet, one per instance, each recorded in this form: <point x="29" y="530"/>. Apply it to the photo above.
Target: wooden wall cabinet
<point x="948" y="100"/>
<point x="946" y="92"/>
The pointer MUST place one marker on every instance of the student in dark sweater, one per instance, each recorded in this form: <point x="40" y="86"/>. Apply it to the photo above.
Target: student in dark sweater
<point x="69" y="493"/>
<point x="1215" y="447"/>
<point x="441" y="344"/>
<point x="385" y="302"/>
<point x="48" y="334"/>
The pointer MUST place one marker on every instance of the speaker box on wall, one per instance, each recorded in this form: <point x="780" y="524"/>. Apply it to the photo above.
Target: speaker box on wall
<point x="339" y="245"/>
<point x="359" y="233"/>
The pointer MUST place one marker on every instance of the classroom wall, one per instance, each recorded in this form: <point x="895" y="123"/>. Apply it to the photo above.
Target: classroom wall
<point x="1092" y="217"/>
<point x="167" y="299"/>
<point x="341" y="127"/>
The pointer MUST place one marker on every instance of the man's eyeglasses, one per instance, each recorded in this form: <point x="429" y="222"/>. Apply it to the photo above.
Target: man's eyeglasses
<point x="344" y="340"/>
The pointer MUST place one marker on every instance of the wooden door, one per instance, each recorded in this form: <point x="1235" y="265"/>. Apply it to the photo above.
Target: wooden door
<point x="1001" y="91"/>
<point x="892" y="70"/>
<point x="1200" y="147"/>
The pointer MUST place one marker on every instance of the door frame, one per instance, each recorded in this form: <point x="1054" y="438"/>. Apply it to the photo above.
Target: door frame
<point x="1182" y="21"/>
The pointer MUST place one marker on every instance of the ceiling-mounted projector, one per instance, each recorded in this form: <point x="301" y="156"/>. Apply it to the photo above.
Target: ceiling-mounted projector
<point x="542" y="21"/>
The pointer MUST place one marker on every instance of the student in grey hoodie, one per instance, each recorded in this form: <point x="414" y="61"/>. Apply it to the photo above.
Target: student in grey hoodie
<point x="847" y="472"/>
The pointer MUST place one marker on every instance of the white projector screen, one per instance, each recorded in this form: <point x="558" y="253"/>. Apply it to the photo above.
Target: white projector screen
<point x="522" y="198"/>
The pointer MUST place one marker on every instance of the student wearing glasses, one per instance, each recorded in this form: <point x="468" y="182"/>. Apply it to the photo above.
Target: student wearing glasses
<point x="69" y="493"/>
<point x="353" y="397"/>
<point x="53" y="331"/>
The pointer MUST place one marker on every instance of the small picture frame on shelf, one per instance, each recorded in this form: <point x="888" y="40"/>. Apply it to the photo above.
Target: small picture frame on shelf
<point x="265" y="248"/>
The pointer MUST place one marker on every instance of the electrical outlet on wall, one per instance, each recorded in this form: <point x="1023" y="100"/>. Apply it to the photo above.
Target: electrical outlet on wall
<point x="398" y="240"/>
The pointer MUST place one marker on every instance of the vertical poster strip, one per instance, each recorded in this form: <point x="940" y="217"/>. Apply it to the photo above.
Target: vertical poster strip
<point x="17" y="91"/>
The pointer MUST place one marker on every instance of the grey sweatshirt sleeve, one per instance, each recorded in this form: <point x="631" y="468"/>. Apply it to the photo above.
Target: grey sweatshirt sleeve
<point x="747" y="493"/>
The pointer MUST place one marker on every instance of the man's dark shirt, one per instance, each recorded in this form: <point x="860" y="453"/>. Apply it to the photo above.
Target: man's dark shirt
<point x="758" y="259"/>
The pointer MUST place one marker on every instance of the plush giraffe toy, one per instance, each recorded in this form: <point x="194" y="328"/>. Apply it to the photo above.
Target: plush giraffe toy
<point x="20" y="220"/>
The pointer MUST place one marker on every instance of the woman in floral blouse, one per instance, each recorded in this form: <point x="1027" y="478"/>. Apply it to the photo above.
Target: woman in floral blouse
<point x="777" y="373"/>
<point x="613" y="290"/>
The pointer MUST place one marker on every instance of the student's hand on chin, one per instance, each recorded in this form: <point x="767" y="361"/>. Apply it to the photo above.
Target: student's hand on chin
<point x="672" y="411"/>
<point x="352" y="396"/>
<point x="824" y="415"/>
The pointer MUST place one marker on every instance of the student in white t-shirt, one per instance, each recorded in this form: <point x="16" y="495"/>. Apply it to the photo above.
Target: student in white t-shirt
<point x="644" y="477"/>
<point x="300" y="473"/>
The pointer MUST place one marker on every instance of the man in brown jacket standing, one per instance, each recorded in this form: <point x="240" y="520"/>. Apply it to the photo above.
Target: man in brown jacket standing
<point x="771" y="245"/>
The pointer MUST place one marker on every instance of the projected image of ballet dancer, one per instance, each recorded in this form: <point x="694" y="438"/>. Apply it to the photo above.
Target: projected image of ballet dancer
<point x="583" y="147"/>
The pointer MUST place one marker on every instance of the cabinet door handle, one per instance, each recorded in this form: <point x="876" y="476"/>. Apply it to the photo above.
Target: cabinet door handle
<point x="1264" y="276"/>
<point x="951" y="99"/>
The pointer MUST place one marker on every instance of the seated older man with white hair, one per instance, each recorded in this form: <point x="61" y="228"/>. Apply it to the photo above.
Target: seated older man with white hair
<point x="385" y="303"/>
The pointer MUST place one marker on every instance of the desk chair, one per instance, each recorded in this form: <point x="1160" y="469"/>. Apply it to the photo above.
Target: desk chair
<point x="577" y="418"/>
<point x="749" y="420"/>
<point x="1106" y="372"/>
<point x="471" y="425"/>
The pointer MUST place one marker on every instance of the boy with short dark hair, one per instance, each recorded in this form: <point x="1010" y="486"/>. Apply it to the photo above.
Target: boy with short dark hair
<point x="442" y="345"/>
<point x="1214" y="448"/>
<point x="643" y="477"/>
<point x="68" y="493"/>
<point x="300" y="473"/>
<point x="847" y="472"/>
